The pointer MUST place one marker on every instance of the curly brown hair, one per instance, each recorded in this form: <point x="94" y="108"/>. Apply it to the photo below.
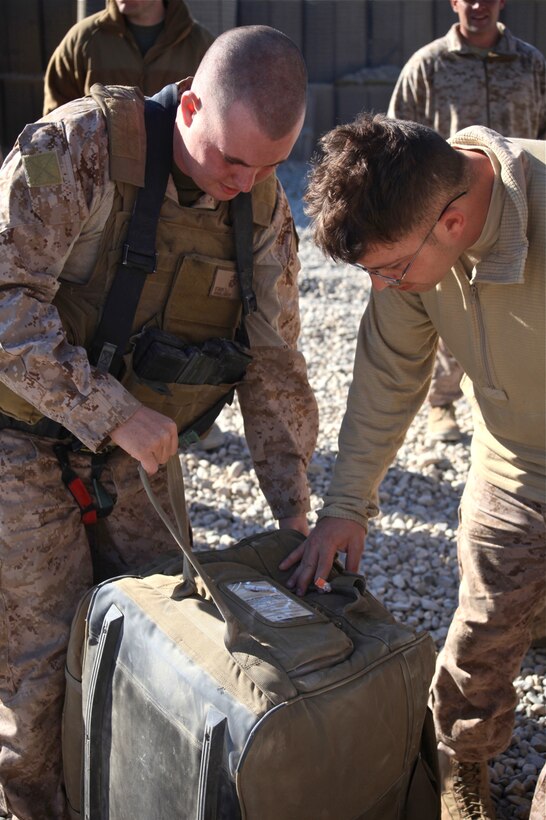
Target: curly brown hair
<point x="375" y="180"/>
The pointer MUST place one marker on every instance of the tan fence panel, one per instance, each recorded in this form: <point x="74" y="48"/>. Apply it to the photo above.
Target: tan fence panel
<point x="353" y="48"/>
<point x="29" y="33"/>
<point x="216" y="15"/>
<point x="418" y="26"/>
<point x="351" y="36"/>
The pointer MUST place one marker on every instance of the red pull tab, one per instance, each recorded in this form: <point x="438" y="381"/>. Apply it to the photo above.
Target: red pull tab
<point x="83" y="500"/>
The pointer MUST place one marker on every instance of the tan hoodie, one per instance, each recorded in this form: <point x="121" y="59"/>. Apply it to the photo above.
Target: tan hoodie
<point x="492" y="319"/>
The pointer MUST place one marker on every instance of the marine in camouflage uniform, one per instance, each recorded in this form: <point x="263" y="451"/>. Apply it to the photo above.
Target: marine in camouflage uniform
<point x="64" y="201"/>
<point x="449" y="85"/>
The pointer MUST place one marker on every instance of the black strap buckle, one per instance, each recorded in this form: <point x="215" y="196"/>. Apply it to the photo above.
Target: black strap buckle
<point x="250" y="305"/>
<point x="136" y="259"/>
<point x="90" y="510"/>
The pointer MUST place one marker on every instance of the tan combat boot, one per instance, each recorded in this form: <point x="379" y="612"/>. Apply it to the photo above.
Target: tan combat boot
<point x="465" y="789"/>
<point x="442" y="425"/>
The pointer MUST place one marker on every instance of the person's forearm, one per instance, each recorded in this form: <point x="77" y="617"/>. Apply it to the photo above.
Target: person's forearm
<point x="281" y="425"/>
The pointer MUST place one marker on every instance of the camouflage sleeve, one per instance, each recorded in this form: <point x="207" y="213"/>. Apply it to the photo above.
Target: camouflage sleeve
<point x="279" y="408"/>
<point x="53" y="186"/>
<point x="409" y="98"/>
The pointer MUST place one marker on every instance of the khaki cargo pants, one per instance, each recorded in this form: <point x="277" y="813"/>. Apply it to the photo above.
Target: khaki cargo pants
<point x="45" y="566"/>
<point x="502" y="562"/>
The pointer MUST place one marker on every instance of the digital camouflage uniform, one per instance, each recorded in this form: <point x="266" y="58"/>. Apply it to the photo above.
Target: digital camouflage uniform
<point x="448" y="85"/>
<point x="102" y="49"/>
<point x="60" y="214"/>
<point x="45" y="569"/>
<point x="490" y="310"/>
<point x="502" y="554"/>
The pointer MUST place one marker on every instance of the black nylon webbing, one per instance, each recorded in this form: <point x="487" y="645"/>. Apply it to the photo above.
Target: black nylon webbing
<point x="139" y="252"/>
<point x="241" y="213"/>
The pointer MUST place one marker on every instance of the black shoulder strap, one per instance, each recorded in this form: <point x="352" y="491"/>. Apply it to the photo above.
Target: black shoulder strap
<point x="139" y="251"/>
<point x="241" y="214"/>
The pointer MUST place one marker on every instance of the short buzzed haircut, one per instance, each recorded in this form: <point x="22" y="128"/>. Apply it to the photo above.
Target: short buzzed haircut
<point x="262" y="68"/>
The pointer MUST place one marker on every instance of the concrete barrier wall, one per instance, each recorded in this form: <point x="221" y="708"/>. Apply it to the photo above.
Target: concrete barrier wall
<point x="354" y="49"/>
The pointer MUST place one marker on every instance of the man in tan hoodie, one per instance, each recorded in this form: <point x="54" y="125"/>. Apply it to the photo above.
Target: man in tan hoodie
<point x="452" y="236"/>
<point x="479" y="73"/>
<point x="142" y="43"/>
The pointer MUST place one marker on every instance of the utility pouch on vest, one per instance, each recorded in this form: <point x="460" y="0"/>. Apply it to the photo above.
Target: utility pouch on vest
<point x="163" y="357"/>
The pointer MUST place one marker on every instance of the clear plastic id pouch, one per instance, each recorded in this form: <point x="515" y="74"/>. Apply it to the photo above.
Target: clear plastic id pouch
<point x="301" y="638"/>
<point x="269" y="602"/>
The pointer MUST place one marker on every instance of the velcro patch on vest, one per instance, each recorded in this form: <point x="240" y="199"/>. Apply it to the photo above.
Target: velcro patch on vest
<point x="225" y="284"/>
<point x="125" y="136"/>
<point x="42" y="169"/>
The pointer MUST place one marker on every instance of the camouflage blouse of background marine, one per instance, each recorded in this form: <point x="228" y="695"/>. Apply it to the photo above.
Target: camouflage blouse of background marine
<point x="449" y="85"/>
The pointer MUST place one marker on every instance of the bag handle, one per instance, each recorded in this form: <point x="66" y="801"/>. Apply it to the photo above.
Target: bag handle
<point x="251" y="656"/>
<point x="181" y="535"/>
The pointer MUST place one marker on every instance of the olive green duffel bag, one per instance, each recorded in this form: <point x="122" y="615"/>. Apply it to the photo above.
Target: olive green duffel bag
<point x="228" y="697"/>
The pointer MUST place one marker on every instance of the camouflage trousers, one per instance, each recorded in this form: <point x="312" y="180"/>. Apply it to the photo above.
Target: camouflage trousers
<point x="502" y="559"/>
<point x="446" y="378"/>
<point x="45" y="567"/>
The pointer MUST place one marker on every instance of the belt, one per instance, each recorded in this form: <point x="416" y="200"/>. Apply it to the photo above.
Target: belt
<point x="46" y="428"/>
<point x="90" y="510"/>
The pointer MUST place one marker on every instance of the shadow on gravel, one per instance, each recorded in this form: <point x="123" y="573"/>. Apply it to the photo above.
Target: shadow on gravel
<point x="225" y="521"/>
<point x="427" y="499"/>
<point x="465" y="440"/>
<point x="233" y="448"/>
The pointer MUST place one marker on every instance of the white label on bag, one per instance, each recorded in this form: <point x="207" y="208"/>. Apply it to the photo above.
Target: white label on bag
<point x="269" y="601"/>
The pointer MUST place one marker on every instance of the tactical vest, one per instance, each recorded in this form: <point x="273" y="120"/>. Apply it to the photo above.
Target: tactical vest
<point x="194" y="292"/>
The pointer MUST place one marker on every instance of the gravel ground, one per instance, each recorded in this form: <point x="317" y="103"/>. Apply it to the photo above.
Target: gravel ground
<point x="410" y="559"/>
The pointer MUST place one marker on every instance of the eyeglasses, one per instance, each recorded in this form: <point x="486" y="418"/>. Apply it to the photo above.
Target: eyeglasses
<point x="398" y="281"/>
